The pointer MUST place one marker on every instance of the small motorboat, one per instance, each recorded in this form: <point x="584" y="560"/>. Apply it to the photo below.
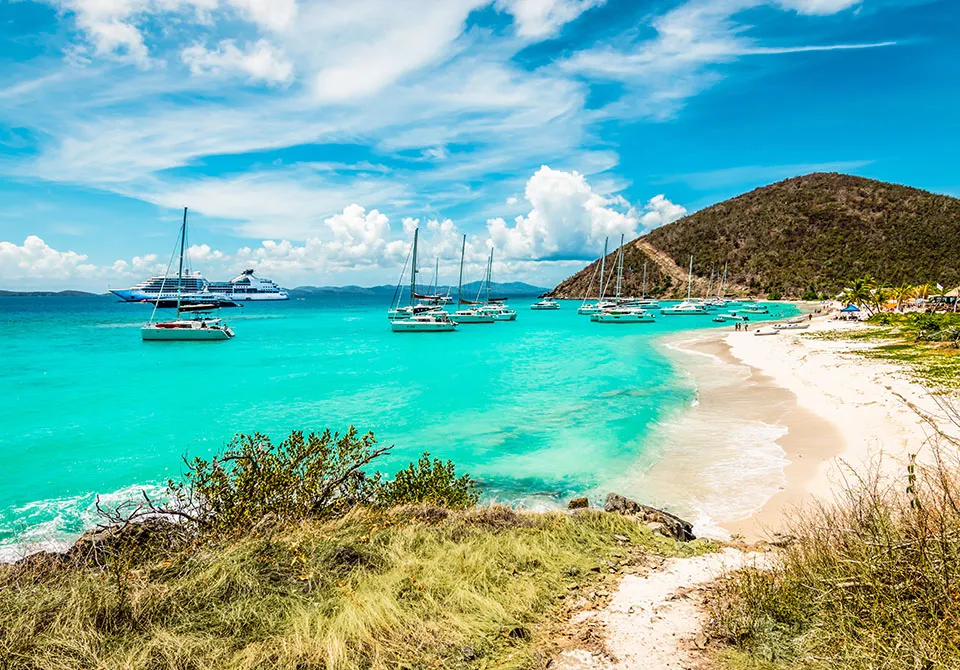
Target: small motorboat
<point x="766" y="330"/>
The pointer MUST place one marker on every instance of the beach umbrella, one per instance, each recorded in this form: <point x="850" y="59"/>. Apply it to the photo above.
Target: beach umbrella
<point x="850" y="308"/>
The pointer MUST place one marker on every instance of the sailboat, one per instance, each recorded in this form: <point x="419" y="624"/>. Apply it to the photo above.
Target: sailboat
<point x="622" y="312"/>
<point x="688" y="306"/>
<point x="198" y="326"/>
<point x="471" y="314"/>
<point x="595" y="307"/>
<point x="419" y="318"/>
<point x="495" y="306"/>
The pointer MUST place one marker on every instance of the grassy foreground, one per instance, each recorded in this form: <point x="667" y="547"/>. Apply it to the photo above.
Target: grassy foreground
<point x="870" y="583"/>
<point x="928" y="345"/>
<point x="411" y="587"/>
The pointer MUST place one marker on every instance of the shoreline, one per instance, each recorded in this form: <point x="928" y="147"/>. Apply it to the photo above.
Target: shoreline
<point x="835" y="411"/>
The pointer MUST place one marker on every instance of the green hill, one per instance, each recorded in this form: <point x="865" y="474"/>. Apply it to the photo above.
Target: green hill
<point x="820" y="230"/>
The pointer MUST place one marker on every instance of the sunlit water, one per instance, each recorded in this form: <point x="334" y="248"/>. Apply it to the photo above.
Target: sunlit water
<point x="537" y="410"/>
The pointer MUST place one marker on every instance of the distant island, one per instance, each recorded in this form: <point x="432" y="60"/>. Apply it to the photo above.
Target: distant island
<point x="805" y="237"/>
<point x="46" y="294"/>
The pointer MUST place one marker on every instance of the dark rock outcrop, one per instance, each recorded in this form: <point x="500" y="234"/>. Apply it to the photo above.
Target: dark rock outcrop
<point x="578" y="503"/>
<point x="676" y="527"/>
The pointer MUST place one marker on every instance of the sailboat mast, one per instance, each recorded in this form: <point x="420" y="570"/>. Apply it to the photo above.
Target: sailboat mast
<point x="620" y="266"/>
<point x="413" y="269"/>
<point x="643" y="291"/>
<point x="489" y="274"/>
<point x="603" y="266"/>
<point x="183" y="243"/>
<point x="723" y="285"/>
<point x="436" y="278"/>
<point x="463" y="249"/>
<point x="690" y="277"/>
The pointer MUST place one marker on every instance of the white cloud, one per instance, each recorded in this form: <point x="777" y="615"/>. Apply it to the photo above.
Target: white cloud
<point x="818" y="7"/>
<point x="271" y="14"/>
<point x="203" y="252"/>
<point x="678" y="62"/>
<point x="660" y="211"/>
<point x="261" y="61"/>
<point x="568" y="219"/>
<point x="544" y="18"/>
<point x="35" y="259"/>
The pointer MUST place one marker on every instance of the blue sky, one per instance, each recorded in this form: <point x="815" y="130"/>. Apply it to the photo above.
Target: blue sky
<point x="309" y="137"/>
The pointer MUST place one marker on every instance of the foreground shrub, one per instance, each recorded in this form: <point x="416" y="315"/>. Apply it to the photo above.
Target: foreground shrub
<point x="313" y="476"/>
<point x="871" y="582"/>
<point x="429" y="482"/>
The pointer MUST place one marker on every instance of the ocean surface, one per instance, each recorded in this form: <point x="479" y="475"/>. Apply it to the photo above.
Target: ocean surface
<point x="537" y="410"/>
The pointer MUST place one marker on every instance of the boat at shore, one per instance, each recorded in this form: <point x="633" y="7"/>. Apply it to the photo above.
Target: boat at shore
<point x="469" y="314"/>
<point x="198" y="325"/>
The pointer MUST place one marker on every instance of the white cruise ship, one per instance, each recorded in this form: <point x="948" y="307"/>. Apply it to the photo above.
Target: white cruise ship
<point x="247" y="286"/>
<point x="164" y="288"/>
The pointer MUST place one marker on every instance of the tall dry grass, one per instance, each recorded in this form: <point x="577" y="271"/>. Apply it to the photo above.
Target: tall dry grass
<point x="406" y="588"/>
<point x="872" y="581"/>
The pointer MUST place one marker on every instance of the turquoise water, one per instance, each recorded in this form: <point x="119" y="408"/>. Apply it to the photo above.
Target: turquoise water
<point x="537" y="410"/>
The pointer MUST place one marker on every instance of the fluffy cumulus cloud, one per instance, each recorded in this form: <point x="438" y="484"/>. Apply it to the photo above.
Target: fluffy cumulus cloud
<point x="35" y="259"/>
<point x="544" y="18"/>
<point x="568" y="219"/>
<point x="659" y="211"/>
<point x="818" y="7"/>
<point x="260" y="61"/>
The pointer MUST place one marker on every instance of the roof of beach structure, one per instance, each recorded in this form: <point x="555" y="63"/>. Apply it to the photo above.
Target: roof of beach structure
<point x="850" y="308"/>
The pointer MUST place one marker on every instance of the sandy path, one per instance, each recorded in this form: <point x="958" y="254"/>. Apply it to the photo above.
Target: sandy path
<point x="655" y="621"/>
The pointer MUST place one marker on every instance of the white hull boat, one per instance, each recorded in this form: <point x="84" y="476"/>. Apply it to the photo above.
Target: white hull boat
<point x="792" y="326"/>
<point x="428" y="323"/>
<point x="417" y="318"/>
<point x="183" y="330"/>
<point x="766" y="331"/>
<point x="472" y="316"/>
<point x="623" y="316"/>
<point x="729" y="317"/>
<point x="547" y="304"/>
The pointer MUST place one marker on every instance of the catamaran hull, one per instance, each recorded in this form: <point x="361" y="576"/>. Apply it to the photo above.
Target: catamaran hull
<point x="622" y="318"/>
<point x="673" y="312"/>
<point x="154" y="334"/>
<point x="544" y="308"/>
<point x="472" y="318"/>
<point x="420" y="327"/>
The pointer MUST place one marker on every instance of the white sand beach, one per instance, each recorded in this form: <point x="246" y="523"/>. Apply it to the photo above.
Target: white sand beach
<point x="839" y="412"/>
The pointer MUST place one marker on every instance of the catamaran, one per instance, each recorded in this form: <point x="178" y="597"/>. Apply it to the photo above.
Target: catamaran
<point x="601" y="304"/>
<point x="495" y="306"/>
<point x="623" y="312"/>
<point x="470" y="314"/>
<point x="545" y="304"/>
<point x="688" y="306"/>
<point x="426" y="319"/>
<point x="200" y="326"/>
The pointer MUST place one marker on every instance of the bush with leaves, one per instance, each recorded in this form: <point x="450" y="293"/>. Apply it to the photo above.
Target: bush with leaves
<point x="430" y="482"/>
<point x="312" y="476"/>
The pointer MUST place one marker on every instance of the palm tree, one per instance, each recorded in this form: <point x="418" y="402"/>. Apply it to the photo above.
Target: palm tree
<point x="879" y="297"/>
<point x="922" y="291"/>
<point x="860" y="292"/>
<point x="903" y="293"/>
